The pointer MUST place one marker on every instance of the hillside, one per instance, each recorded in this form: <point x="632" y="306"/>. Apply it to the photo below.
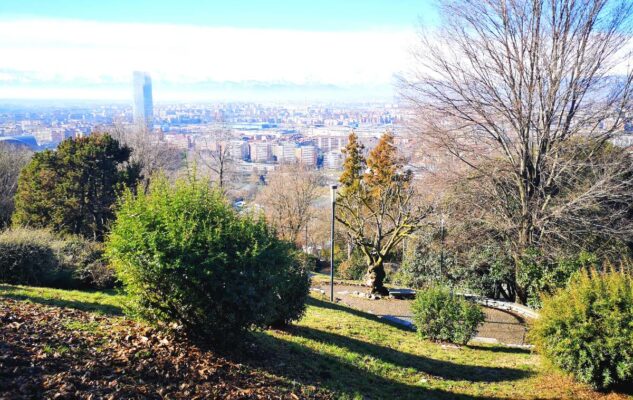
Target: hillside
<point x="79" y="345"/>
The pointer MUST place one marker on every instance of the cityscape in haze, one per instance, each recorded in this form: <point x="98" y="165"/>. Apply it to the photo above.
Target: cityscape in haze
<point x="296" y="83"/>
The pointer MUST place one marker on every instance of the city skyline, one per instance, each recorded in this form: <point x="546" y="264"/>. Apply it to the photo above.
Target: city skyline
<point x="347" y="52"/>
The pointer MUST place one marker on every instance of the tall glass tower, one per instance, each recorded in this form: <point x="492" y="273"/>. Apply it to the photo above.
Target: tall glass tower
<point x="143" y="103"/>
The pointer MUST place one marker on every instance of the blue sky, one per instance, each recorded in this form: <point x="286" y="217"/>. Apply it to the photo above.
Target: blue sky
<point x="198" y="50"/>
<point x="319" y="15"/>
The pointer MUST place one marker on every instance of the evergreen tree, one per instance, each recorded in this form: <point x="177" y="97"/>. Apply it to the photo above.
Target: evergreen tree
<point x="384" y="165"/>
<point x="354" y="162"/>
<point x="378" y="208"/>
<point x="74" y="188"/>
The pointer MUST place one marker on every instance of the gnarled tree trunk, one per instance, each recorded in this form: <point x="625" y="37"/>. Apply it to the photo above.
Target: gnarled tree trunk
<point x="375" y="278"/>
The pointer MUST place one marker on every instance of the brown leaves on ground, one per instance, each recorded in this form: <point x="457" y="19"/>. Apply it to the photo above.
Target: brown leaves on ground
<point x="564" y="387"/>
<point x="58" y="353"/>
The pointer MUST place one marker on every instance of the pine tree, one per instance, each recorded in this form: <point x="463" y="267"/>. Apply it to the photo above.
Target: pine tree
<point x="74" y="188"/>
<point x="354" y="163"/>
<point x="384" y="165"/>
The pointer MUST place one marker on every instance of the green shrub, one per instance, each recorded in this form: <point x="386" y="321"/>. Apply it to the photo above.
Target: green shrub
<point x="89" y="268"/>
<point x="41" y="258"/>
<point x="186" y="257"/>
<point x="309" y="262"/>
<point x="353" y="268"/>
<point x="29" y="257"/>
<point x="292" y="285"/>
<point x="488" y="271"/>
<point x="72" y="190"/>
<point x="440" y="315"/>
<point x="587" y="328"/>
<point x="421" y="268"/>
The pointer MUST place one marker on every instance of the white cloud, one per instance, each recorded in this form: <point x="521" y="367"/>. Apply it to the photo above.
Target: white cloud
<point x="58" y="51"/>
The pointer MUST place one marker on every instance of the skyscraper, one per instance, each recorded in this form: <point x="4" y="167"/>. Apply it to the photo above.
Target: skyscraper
<point x="143" y="103"/>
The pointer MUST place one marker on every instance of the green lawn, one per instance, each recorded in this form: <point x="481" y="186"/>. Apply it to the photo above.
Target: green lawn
<point x="355" y="355"/>
<point x="108" y="302"/>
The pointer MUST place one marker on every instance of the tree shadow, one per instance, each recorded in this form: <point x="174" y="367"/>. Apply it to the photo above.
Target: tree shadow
<point x="104" y="309"/>
<point x="500" y="349"/>
<point x="436" y="368"/>
<point x="308" y="367"/>
<point x="621" y="388"/>
<point x="372" y="317"/>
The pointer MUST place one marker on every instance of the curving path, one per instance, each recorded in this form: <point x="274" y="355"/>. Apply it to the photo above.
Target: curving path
<point x="500" y="326"/>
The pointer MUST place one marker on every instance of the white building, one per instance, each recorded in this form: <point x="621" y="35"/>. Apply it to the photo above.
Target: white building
<point x="143" y="102"/>
<point x="261" y="152"/>
<point x="307" y="155"/>
<point x="331" y="143"/>
<point x="239" y="149"/>
<point x="285" y="153"/>
<point x="333" y="160"/>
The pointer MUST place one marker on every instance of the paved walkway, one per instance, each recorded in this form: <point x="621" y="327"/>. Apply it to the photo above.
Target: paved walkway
<point x="499" y="326"/>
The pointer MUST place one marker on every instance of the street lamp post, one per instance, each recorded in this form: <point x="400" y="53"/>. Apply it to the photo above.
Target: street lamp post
<point x="332" y="243"/>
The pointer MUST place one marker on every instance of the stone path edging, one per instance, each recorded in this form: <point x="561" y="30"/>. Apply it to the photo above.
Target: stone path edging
<point x="504" y="306"/>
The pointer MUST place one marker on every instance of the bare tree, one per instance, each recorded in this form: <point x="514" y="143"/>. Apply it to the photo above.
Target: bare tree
<point x="12" y="160"/>
<point x="214" y="152"/>
<point x="289" y="199"/>
<point x="148" y="151"/>
<point x="517" y="81"/>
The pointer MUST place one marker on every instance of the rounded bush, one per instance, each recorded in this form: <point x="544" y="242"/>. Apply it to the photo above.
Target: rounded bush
<point x="40" y="257"/>
<point x="29" y="257"/>
<point x="186" y="257"/>
<point x="587" y="328"/>
<point x="86" y="260"/>
<point x="442" y="316"/>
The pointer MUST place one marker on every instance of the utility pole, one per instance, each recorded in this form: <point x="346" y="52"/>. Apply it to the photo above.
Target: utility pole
<point x="333" y="187"/>
<point x="442" y="246"/>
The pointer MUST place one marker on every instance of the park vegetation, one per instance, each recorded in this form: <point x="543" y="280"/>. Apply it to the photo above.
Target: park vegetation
<point x="12" y="160"/>
<point x="526" y="96"/>
<point x="586" y="328"/>
<point x="185" y="256"/>
<point x="441" y="315"/>
<point x="39" y="257"/>
<point x="73" y="189"/>
<point x="518" y="106"/>
<point x="289" y="200"/>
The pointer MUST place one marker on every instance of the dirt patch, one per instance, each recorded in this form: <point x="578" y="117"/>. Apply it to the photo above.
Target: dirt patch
<point x="50" y="352"/>
<point x="500" y="326"/>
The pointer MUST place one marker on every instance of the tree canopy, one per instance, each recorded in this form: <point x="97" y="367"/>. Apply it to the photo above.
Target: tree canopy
<point x="73" y="189"/>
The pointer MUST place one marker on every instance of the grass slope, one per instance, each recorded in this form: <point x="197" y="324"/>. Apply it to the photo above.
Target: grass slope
<point x="351" y="354"/>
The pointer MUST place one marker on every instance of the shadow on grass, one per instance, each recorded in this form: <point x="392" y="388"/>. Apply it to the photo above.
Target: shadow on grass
<point x="105" y="309"/>
<point x="339" y="307"/>
<point x="347" y="373"/>
<point x="500" y="349"/>
<point x="346" y="379"/>
<point x="436" y="368"/>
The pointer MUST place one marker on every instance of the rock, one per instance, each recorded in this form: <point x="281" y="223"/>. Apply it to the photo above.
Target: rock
<point x="402" y="293"/>
<point x="367" y="295"/>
